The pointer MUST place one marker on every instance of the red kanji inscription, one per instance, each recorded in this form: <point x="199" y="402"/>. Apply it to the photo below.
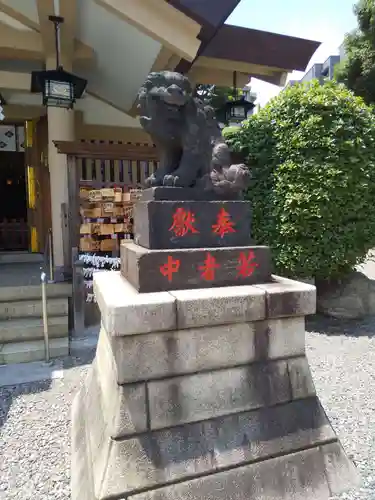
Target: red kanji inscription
<point x="172" y="266"/>
<point x="223" y="225"/>
<point x="208" y="268"/>
<point x="183" y="222"/>
<point x="246" y="264"/>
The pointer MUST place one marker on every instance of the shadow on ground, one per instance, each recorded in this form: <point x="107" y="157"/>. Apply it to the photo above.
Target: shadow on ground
<point x="85" y="358"/>
<point x="10" y="393"/>
<point x="349" y="327"/>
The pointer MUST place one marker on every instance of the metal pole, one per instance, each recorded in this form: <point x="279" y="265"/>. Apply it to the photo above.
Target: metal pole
<point x="57" y="20"/>
<point x="50" y="255"/>
<point x="43" y="279"/>
<point x="235" y="84"/>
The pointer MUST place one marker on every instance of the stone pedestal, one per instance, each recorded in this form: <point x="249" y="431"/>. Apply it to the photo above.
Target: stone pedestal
<point x="200" y="391"/>
<point x="191" y="224"/>
<point x="161" y="270"/>
<point x="192" y="243"/>
<point x="204" y="394"/>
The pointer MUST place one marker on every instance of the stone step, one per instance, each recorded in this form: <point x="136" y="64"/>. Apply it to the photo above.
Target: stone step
<point x="32" y="309"/>
<point x="20" y="258"/>
<point x="30" y="292"/>
<point x="27" y="329"/>
<point x="24" y="352"/>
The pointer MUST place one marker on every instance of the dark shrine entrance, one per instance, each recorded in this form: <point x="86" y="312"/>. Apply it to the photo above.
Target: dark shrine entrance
<point x="14" y="232"/>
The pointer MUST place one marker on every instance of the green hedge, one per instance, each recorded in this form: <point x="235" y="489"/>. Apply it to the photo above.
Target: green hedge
<point x="311" y="151"/>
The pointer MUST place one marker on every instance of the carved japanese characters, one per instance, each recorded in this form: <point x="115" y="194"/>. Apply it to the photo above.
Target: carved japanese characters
<point x="192" y="151"/>
<point x="184" y="225"/>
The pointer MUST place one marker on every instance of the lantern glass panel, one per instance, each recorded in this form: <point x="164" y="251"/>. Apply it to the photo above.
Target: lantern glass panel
<point x="59" y="94"/>
<point x="239" y="112"/>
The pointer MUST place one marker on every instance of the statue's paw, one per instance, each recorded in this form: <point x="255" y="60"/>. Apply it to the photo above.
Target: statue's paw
<point x="169" y="180"/>
<point x="152" y="181"/>
<point x="176" y="181"/>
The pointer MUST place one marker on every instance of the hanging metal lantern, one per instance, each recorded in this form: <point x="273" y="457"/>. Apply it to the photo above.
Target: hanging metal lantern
<point x="59" y="88"/>
<point x="237" y="110"/>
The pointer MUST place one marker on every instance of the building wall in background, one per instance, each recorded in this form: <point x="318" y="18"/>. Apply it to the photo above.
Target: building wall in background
<point x="321" y="71"/>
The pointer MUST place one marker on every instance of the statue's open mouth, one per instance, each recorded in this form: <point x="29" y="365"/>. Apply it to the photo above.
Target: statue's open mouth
<point x="175" y="101"/>
<point x="173" y="107"/>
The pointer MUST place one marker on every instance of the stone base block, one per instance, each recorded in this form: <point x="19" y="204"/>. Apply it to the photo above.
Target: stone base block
<point x="215" y="403"/>
<point x="317" y="473"/>
<point x="125" y="311"/>
<point x="275" y="452"/>
<point x="148" y="356"/>
<point x="192" y="224"/>
<point x="162" y="270"/>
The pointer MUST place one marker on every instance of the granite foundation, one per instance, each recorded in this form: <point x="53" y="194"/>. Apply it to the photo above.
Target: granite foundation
<point x="204" y="394"/>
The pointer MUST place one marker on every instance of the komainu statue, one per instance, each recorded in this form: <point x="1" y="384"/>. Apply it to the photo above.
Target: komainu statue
<point x="192" y="150"/>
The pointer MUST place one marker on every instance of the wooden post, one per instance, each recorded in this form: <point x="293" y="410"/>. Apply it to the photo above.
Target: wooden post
<point x="73" y="208"/>
<point x="78" y="295"/>
<point x="67" y="249"/>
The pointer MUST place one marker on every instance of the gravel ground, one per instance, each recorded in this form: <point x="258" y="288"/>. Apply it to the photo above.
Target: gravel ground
<point x="342" y="359"/>
<point x="35" y="426"/>
<point x="35" y="436"/>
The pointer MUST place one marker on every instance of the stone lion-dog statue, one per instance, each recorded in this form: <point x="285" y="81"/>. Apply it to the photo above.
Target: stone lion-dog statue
<point x="191" y="148"/>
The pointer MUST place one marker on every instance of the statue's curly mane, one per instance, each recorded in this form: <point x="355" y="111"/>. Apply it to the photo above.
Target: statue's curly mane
<point x="156" y="113"/>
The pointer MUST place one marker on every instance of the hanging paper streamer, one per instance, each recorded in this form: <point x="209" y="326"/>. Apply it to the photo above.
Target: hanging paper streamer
<point x="101" y="262"/>
<point x="95" y="264"/>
